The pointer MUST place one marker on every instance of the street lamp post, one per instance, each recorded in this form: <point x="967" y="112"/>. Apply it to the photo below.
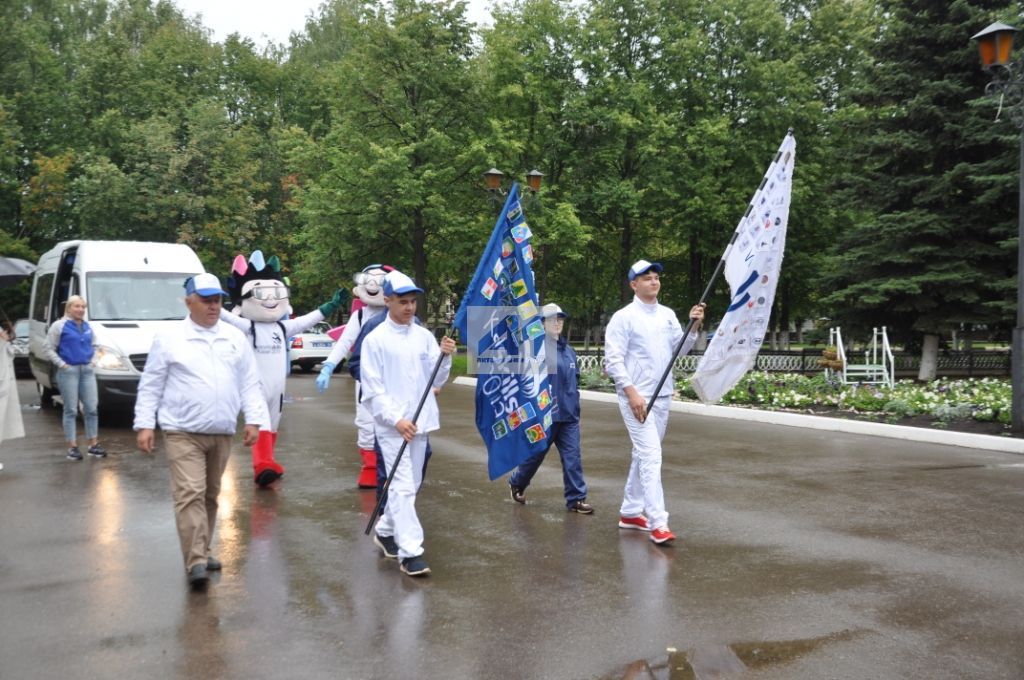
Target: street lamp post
<point x="995" y="44"/>
<point x="494" y="177"/>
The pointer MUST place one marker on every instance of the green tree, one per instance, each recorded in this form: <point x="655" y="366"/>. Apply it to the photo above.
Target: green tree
<point x="532" y="90"/>
<point x="622" y="120"/>
<point x="392" y="174"/>
<point x="930" y="249"/>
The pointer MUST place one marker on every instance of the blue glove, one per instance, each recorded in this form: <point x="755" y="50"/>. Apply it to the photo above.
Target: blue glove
<point x="324" y="379"/>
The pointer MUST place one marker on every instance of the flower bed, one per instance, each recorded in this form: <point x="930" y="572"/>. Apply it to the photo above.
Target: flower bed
<point x="982" y="399"/>
<point x="944" y="400"/>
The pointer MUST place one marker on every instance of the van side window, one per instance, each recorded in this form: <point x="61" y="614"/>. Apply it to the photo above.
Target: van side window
<point x="42" y="299"/>
<point x="63" y="293"/>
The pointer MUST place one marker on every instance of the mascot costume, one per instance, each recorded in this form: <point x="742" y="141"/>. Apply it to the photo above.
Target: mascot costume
<point x="260" y="294"/>
<point x="370" y="292"/>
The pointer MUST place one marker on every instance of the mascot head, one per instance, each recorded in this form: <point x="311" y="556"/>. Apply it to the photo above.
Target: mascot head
<point x="369" y="284"/>
<point x="257" y="287"/>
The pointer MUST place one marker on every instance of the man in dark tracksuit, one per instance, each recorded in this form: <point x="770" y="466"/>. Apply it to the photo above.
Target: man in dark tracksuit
<point x="565" y="426"/>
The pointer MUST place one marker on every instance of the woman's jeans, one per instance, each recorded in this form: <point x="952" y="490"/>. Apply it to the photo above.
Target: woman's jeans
<point x="78" y="384"/>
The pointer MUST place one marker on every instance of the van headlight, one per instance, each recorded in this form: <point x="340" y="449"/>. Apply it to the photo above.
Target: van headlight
<point x="109" y="359"/>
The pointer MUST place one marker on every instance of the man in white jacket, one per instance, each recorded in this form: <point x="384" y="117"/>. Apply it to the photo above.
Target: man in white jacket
<point x="196" y="379"/>
<point x="639" y="342"/>
<point x="397" y="360"/>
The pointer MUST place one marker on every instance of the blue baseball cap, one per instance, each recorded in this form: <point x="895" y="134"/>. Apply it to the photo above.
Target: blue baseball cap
<point x="397" y="283"/>
<point x="203" y="284"/>
<point x="641" y="267"/>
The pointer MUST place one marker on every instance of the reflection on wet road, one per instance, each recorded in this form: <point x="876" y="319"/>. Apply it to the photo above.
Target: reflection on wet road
<point x="802" y="554"/>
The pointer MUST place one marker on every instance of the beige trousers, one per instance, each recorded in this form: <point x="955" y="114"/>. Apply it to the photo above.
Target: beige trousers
<point x="197" y="462"/>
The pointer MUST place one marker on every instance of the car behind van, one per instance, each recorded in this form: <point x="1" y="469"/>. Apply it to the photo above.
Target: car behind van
<point x="133" y="289"/>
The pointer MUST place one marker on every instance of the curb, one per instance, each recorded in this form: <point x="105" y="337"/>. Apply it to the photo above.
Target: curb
<point x="917" y="434"/>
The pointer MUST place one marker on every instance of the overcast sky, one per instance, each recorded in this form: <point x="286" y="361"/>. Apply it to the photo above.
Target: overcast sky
<point x="275" y="20"/>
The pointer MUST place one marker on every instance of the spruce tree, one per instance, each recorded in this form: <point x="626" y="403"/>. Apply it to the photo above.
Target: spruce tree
<point x="935" y="242"/>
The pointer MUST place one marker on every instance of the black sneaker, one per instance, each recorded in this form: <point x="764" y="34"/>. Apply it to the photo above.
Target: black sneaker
<point x="74" y="453"/>
<point x="415" y="566"/>
<point x="517" y="494"/>
<point x="582" y="507"/>
<point x="198" y="578"/>
<point x="97" y="451"/>
<point x="387" y="545"/>
<point x="267" y="477"/>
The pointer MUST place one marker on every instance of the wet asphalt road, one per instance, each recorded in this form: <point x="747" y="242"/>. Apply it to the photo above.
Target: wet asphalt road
<point x="803" y="554"/>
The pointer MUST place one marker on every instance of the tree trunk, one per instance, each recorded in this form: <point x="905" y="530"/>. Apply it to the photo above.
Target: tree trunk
<point x="696" y="268"/>
<point x="783" y="300"/>
<point x="929" y="357"/>
<point x="419" y="261"/>
<point x="625" y="261"/>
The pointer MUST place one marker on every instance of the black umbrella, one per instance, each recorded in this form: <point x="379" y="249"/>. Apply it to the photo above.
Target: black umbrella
<point x="13" y="271"/>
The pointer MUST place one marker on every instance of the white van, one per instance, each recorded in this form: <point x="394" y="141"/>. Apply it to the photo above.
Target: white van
<point x="132" y="290"/>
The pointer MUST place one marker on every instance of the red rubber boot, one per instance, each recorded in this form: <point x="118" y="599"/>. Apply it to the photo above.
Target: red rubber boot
<point x="265" y="469"/>
<point x="368" y="475"/>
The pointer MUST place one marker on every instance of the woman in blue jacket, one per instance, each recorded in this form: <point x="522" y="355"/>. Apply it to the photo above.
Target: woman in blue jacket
<point x="70" y="345"/>
<point x="565" y="430"/>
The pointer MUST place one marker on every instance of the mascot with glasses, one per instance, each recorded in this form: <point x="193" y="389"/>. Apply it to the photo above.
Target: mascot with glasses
<point x="260" y="295"/>
<point x="368" y="305"/>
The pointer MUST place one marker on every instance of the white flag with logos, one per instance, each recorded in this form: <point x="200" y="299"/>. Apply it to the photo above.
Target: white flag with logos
<point x="753" y="261"/>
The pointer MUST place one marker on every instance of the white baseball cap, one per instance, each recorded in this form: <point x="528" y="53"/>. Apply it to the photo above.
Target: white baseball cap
<point x="203" y="284"/>
<point x="551" y="309"/>
<point x="641" y="267"/>
<point x="397" y="283"/>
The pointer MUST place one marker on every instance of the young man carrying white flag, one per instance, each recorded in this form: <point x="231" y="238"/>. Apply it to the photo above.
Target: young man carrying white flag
<point x="639" y="344"/>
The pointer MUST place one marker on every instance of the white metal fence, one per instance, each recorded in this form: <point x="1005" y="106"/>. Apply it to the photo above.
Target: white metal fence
<point x="973" y="363"/>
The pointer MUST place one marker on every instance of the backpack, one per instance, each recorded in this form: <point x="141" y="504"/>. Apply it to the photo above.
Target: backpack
<point x="353" y="355"/>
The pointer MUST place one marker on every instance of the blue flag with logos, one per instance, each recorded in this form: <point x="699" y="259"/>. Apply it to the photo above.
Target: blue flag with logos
<point x="499" y="320"/>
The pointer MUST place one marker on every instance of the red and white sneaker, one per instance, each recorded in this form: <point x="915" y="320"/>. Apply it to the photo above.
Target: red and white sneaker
<point x="662" y="535"/>
<point x="637" y="523"/>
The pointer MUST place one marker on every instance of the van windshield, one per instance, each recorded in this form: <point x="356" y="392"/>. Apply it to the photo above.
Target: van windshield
<point x="135" y="296"/>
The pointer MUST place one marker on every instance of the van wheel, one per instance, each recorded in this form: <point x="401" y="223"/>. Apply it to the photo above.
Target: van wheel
<point x="45" y="396"/>
<point x="306" y="368"/>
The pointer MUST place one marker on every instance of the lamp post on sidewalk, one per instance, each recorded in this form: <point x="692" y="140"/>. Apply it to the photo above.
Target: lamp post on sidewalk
<point x="995" y="45"/>
<point x="492" y="183"/>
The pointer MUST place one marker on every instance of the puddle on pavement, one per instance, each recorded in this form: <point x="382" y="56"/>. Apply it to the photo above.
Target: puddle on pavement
<point x="973" y="466"/>
<point x="721" y="662"/>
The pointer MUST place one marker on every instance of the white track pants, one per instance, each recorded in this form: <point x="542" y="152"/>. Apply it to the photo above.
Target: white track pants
<point x="364" y="423"/>
<point x="643" y="494"/>
<point x="399" y="516"/>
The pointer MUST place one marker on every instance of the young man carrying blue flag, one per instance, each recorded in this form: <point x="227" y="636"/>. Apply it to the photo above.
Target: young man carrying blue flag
<point x="397" y="361"/>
